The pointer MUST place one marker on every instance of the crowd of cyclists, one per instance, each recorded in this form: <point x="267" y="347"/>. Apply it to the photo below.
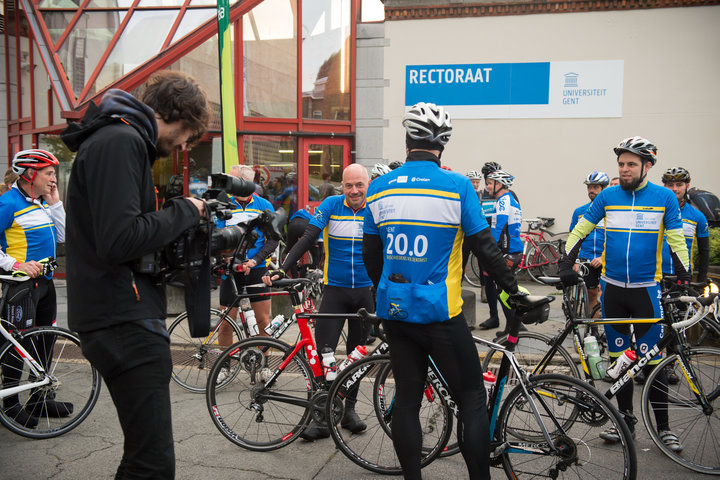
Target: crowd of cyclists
<point x="395" y="242"/>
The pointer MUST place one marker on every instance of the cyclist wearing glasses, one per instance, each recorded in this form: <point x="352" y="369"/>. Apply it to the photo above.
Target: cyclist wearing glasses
<point x="592" y="247"/>
<point x="636" y="215"/>
<point x="347" y="285"/>
<point x="32" y="222"/>
<point x="695" y="225"/>
<point x="416" y="221"/>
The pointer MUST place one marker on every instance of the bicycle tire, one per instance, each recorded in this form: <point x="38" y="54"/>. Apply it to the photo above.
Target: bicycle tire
<point x="583" y="413"/>
<point x="192" y="357"/>
<point x="373" y="448"/>
<point x="529" y="350"/>
<point x="73" y="380"/>
<point x="534" y="259"/>
<point x="696" y="429"/>
<point x="473" y="274"/>
<point x="550" y="252"/>
<point x="249" y="414"/>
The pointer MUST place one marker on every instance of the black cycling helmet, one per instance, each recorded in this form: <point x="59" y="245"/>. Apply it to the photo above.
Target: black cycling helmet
<point x="676" y="174"/>
<point x="489" y="168"/>
<point x="640" y="147"/>
<point x="428" y="123"/>
<point x="395" y="164"/>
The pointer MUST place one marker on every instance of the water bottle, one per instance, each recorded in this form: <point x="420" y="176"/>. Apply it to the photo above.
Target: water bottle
<point x="489" y="380"/>
<point x="359" y="352"/>
<point x="328" y="363"/>
<point x="623" y="361"/>
<point x="249" y="315"/>
<point x="275" y="324"/>
<point x="595" y="363"/>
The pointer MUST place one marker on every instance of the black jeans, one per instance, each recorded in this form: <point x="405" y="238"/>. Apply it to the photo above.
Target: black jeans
<point x="135" y="364"/>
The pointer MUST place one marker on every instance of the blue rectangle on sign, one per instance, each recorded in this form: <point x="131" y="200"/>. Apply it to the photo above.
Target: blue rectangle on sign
<point x="478" y="84"/>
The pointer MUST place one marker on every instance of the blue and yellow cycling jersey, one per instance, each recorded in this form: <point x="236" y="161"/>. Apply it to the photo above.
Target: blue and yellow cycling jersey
<point x="695" y="226"/>
<point x="29" y="229"/>
<point x="594" y="244"/>
<point x="635" y="223"/>
<point x="254" y="207"/>
<point x="422" y="214"/>
<point x="506" y="224"/>
<point x="342" y="240"/>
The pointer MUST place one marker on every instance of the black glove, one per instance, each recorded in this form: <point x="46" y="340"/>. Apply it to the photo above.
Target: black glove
<point x="280" y="273"/>
<point x="568" y="277"/>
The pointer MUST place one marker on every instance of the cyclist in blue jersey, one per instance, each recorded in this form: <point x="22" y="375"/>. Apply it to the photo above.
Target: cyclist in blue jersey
<point x="32" y="222"/>
<point x="636" y="215"/>
<point x="255" y="267"/>
<point x="505" y="227"/>
<point x="416" y="221"/>
<point x="695" y="225"/>
<point x="592" y="247"/>
<point x="347" y="285"/>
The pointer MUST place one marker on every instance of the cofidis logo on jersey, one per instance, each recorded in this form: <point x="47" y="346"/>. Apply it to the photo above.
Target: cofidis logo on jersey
<point x="520" y="90"/>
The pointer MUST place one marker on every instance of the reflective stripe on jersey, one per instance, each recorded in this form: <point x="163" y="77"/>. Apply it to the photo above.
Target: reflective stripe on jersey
<point x="342" y="241"/>
<point x="594" y="244"/>
<point x="27" y="229"/>
<point x="422" y="214"/>
<point x="255" y="206"/>
<point x="635" y="224"/>
<point x="695" y="226"/>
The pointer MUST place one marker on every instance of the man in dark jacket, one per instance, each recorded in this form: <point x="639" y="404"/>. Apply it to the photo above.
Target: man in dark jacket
<point x="113" y="221"/>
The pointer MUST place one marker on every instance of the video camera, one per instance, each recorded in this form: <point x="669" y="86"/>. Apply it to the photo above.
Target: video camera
<point x="189" y="258"/>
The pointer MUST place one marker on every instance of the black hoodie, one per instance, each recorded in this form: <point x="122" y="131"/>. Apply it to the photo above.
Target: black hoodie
<point x="112" y="216"/>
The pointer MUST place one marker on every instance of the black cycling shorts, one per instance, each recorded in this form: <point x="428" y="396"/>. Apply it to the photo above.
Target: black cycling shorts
<point x="255" y="277"/>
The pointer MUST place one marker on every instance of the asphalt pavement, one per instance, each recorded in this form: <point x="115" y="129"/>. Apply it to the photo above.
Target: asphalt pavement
<point x="93" y="449"/>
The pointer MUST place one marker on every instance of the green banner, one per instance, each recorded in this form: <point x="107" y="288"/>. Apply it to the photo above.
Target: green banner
<point x="227" y="91"/>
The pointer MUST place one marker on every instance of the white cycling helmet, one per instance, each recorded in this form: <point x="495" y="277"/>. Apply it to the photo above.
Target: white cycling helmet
<point x="502" y="177"/>
<point x="428" y="122"/>
<point x="378" y="170"/>
<point x="474" y="175"/>
<point x="597" y="178"/>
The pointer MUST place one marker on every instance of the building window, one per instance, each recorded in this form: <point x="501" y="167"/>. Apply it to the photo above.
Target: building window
<point x="270" y="60"/>
<point x="326" y="59"/>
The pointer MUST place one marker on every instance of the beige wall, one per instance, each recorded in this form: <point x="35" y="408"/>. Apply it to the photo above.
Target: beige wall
<point x="671" y="96"/>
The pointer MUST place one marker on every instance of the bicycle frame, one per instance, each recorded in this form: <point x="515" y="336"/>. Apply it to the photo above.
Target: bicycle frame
<point x="35" y="367"/>
<point x="573" y="323"/>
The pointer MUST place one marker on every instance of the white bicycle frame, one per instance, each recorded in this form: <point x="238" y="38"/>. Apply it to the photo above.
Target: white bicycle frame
<point x="35" y="368"/>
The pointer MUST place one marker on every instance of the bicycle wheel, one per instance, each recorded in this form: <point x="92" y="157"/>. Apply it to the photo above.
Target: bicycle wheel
<point x="249" y="413"/>
<point x="373" y="448"/>
<point x="192" y="358"/>
<point x="72" y="379"/>
<point x="697" y="428"/>
<point x="551" y="258"/>
<point x="530" y="349"/>
<point x="577" y="451"/>
<point x="534" y="261"/>
<point x="473" y="274"/>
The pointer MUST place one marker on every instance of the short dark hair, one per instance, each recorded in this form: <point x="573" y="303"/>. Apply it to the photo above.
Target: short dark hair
<point x="177" y="96"/>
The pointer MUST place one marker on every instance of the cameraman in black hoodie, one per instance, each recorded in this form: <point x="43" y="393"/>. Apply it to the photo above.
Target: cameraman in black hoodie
<point x="112" y="221"/>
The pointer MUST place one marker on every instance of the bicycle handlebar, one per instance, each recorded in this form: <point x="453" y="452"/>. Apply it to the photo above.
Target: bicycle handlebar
<point x="369" y="317"/>
<point x="709" y="304"/>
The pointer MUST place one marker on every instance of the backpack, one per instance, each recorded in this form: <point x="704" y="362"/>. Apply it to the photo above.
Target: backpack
<point x="707" y="203"/>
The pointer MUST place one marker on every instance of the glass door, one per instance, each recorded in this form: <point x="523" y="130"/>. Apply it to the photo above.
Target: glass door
<point x="323" y="161"/>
